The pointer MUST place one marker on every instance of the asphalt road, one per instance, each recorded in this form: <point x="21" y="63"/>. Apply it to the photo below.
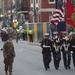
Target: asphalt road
<point x="28" y="61"/>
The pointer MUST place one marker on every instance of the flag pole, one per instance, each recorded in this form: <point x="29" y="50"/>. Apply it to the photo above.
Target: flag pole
<point x="64" y="2"/>
<point x="65" y="13"/>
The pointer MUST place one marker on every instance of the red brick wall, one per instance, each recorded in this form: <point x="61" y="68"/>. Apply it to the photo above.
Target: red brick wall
<point x="44" y="16"/>
<point x="29" y="5"/>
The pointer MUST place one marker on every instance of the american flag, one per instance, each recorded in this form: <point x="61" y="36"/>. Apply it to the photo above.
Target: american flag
<point x="59" y="13"/>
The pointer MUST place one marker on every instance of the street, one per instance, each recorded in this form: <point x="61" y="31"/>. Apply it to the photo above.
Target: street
<point x="28" y="61"/>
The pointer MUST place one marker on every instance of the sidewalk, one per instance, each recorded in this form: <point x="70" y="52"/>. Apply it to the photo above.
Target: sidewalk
<point x="27" y="42"/>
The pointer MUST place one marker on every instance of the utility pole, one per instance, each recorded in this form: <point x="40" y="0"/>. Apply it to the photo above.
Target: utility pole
<point x="34" y="10"/>
<point x="16" y="1"/>
<point x="11" y="11"/>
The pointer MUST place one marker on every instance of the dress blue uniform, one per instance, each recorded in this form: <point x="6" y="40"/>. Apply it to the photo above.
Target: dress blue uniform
<point x="66" y="55"/>
<point x="46" y="51"/>
<point x="72" y="48"/>
<point x="66" y="51"/>
<point x="56" y="55"/>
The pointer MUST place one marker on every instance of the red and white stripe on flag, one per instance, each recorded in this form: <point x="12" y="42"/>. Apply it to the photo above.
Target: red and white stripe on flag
<point x="58" y="16"/>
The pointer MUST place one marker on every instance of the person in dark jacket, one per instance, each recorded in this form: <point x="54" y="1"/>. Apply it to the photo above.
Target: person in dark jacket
<point x="46" y="46"/>
<point x="4" y="35"/>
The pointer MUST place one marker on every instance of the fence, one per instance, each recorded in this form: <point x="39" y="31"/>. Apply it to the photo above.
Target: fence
<point x="38" y="30"/>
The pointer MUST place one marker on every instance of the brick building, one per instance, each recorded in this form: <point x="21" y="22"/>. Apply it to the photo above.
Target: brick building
<point x="41" y="11"/>
<point x="32" y="10"/>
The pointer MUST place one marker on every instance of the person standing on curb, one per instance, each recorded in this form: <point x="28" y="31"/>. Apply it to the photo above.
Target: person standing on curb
<point x="23" y="34"/>
<point x="8" y="54"/>
<point x="17" y="35"/>
<point x="30" y="33"/>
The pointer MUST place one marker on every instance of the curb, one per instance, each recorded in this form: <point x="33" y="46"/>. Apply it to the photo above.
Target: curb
<point x="34" y="43"/>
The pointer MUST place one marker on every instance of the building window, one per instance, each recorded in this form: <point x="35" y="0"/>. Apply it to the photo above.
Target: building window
<point x="51" y="1"/>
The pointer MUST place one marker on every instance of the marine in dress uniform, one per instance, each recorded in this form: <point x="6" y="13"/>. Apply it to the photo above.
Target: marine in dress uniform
<point x="66" y="55"/>
<point x="56" y="50"/>
<point x="8" y="54"/>
<point x="72" y="47"/>
<point x="56" y="54"/>
<point x="66" y="51"/>
<point x="46" y="46"/>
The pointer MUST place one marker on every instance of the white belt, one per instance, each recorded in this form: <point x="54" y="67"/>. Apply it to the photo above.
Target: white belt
<point x="46" y="46"/>
<point x="56" y="50"/>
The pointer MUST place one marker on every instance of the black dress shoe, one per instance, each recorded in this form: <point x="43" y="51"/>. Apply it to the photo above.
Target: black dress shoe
<point x="46" y="68"/>
<point x="6" y="73"/>
<point x="66" y="67"/>
<point x="69" y="67"/>
<point x="10" y="73"/>
<point x="56" y="68"/>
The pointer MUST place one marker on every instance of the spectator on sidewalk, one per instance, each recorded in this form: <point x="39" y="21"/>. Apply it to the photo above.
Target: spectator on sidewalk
<point x="30" y="33"/>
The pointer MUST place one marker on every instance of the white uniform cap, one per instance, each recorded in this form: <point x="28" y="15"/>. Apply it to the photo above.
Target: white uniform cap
<point x="55" y="32"/>
<point x="64" y="32"/>
<point x="46" y="34"/>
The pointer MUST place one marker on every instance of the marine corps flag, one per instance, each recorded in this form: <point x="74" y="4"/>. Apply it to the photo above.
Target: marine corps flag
<point x="70" y="14"/>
